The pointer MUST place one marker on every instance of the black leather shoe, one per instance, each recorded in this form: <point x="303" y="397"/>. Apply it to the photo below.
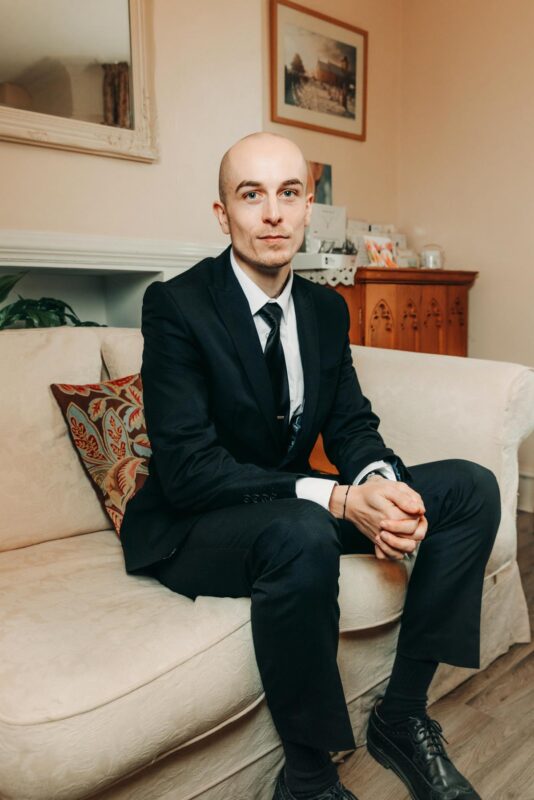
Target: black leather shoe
<point x="335" y="792"/>
<point x="414" y="751"/>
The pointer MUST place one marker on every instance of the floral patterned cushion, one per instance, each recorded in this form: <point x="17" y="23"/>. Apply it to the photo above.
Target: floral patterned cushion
<point x="107" y="427"/>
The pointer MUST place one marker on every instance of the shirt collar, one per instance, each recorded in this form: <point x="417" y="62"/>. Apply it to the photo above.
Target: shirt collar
<point x="255" y="296"/>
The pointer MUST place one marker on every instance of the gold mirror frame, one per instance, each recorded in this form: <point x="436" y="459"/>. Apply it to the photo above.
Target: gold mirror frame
<point x="138" y="144"/>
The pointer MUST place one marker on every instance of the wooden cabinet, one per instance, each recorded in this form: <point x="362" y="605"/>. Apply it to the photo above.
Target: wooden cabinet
<point x="425" y="310"/>
<point x="405" y="309"/>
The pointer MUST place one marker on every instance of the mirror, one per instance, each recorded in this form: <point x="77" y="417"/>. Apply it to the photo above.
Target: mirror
<point x="77" y="75"/>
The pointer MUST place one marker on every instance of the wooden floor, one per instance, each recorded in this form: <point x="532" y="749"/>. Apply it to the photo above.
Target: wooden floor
<point x="488" y="720"/>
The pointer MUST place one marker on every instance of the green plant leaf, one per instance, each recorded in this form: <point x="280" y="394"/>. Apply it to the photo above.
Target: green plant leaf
<point x="46" y="312"/>
<point x="7" y="282"/>
<point x="51" y="302"/>
<point x="49" y="319"/>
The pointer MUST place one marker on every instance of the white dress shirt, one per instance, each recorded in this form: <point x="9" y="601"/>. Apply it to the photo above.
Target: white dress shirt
<point x="317" y="489"/>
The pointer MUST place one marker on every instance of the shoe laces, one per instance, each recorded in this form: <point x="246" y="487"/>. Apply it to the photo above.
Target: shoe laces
<point x="429" y="732"/>
<point x="337" y="792"/>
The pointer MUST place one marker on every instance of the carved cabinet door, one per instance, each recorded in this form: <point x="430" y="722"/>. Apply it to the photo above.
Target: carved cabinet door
<point x="456" y="320"/>
<point x="410" y="309"/>
<point x="434" y="319"/>
<point x="380" y="318"/>
<point x="409" y="323"/>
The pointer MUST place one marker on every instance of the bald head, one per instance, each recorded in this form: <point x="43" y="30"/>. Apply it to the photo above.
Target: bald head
<point x="264" y="203"/>
<point x="256" y="147"/>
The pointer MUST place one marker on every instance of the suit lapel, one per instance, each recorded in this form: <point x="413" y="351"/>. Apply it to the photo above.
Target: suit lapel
<point x="234" y="310"/>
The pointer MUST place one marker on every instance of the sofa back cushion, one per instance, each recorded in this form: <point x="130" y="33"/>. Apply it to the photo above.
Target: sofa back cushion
<point x="45" y="492"/>
<point x="122" y="351"/>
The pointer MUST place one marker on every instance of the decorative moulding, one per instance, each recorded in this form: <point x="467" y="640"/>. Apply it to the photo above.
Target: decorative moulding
<point x="76" y="252"/>
<point x="139" y="144"/>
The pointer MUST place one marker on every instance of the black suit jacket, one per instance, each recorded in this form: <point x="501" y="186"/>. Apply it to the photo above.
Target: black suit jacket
<point x="209" y="405"/>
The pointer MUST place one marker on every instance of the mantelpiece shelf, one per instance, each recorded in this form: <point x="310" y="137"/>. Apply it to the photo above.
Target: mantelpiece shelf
<point x="102" y="277"/>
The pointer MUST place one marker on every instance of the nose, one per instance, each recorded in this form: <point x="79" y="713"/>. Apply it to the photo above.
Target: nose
<point x="271" y="210"/>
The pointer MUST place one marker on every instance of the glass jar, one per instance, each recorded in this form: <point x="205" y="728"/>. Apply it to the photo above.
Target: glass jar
<point x="432" y="256"/>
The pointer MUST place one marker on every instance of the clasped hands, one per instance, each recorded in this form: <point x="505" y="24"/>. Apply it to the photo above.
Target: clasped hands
<point x="389" y="513"/>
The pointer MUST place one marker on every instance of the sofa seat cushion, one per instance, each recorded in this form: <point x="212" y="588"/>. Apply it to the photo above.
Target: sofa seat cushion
<point x="102" y="672"/>
<point x="78" y="632"/>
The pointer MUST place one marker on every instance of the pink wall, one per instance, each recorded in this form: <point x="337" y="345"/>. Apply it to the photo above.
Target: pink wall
<point x="204" y="50"/>
<point x="364" y="173"/>
<point x="466" y="159"/>
<point x="211" y="88"/>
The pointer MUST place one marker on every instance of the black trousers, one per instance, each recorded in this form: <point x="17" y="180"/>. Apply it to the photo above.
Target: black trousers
<point x="284" y="555"/>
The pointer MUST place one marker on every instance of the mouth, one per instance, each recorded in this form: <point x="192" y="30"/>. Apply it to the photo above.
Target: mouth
<point x="273" y="238"/>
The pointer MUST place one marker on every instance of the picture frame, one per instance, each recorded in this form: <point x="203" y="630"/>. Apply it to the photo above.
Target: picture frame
<point x="139" y="143"/>
<point x="318" y="71"/>
<point x="320" y="182"/>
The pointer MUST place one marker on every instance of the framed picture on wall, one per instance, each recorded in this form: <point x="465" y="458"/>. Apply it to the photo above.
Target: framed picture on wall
<point x="318" y="71"/>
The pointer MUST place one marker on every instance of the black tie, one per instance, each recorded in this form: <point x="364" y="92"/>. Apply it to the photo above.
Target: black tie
<point x="276" y="364"/>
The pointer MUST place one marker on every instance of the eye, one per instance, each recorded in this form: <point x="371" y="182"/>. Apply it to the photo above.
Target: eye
<point x="289" y="192"/>
<point x="249" y="194"/>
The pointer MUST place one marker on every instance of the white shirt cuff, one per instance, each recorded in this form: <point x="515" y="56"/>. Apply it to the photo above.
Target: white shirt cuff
<point x="317" y="489"/>
<point x="383" y="467"/>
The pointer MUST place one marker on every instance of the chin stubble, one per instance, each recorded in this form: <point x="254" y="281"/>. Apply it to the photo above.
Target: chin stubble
<point x="261" y="266"/>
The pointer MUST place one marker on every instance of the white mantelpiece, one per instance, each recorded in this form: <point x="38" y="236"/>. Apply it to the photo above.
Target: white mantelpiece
<point x="102" y="277"/>
<point x="75" y="251"/>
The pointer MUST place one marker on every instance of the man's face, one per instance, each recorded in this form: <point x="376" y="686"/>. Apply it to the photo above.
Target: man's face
<point x="266" y="207"/>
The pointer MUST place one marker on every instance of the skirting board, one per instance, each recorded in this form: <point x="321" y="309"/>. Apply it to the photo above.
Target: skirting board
<point x="525" y="500"/>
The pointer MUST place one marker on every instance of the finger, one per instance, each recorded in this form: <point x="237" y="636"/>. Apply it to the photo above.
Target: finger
<point x="388" y="509"/>
<point x="405" y="497"/>
<point x="410" y="503"/>
<point x="379" y="552"/>
<point x="401" y="526"/>
<point x="405" y="544"/>
<point x="412" y="494"/>
<point x="391" y="504"/>
<point x="390" y="551"/>
<point x="420" y="531"/>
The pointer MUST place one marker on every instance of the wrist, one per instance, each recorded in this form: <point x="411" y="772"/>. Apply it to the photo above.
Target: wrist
<point x="337" y="501"/>
<point x="342" y="499"/>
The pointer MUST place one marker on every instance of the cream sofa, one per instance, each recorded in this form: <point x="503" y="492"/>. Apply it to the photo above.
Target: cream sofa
<point x="114" y="687"/>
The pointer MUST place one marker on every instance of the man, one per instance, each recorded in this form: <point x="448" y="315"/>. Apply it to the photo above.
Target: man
<point x="244" y="364"/>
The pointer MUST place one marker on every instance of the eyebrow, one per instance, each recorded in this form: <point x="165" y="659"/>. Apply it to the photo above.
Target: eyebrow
<point x="256" y="184"/>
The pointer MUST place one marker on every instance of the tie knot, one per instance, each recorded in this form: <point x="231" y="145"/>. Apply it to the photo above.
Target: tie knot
<point x="272" y="314"/>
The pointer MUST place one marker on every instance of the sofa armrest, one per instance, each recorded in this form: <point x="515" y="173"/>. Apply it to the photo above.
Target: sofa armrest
<point x="434" y="407"/>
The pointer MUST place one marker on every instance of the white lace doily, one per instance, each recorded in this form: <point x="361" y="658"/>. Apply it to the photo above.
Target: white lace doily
<point x="331" y="276"/>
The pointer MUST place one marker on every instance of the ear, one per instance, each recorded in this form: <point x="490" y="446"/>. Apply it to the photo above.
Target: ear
<point x="307" y="213"/>
<point x="220" y="212"/>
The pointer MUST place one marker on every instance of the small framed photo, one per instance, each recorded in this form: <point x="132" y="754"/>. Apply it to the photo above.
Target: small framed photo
<point x="320" y="182"/>
<point x="318" y="71"/>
